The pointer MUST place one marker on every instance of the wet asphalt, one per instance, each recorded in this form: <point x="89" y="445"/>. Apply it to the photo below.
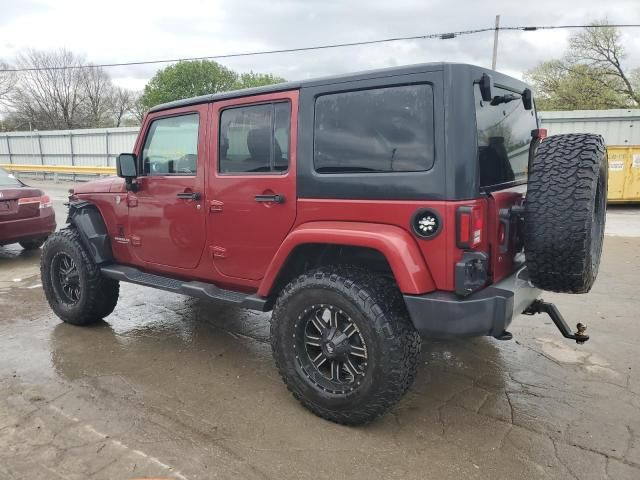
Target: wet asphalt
<point x="173" y="387"/>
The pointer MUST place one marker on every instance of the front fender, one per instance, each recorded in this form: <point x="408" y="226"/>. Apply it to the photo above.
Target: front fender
<point x="397" y="245"/>
<point x="86" y="218"/>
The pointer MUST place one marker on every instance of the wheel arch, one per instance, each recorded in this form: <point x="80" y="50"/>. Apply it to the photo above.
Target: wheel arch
<point x="87" y="220"/>
<point x="387" y="248"/>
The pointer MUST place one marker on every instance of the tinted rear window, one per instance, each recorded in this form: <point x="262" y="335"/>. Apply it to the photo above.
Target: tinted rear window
<point x="7" y="180"/>
<point x="378" y="130"/>
<point x="504" y="135"/>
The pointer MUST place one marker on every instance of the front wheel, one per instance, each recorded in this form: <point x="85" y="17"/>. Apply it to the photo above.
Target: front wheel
<point x="75" y="289"/>
<point x="343" y="343"/>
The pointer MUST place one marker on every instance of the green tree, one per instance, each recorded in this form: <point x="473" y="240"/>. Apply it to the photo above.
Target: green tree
<point x="187" y="79"/>
<point x="192" y="78"/>
<point x="578" y="87"/>
<point x="591" y="75"/>
<point x="251" y="79"/>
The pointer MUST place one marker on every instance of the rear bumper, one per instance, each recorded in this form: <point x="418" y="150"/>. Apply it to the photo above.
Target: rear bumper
<point x="486" y="312"/>
<point x="13" y="231"/>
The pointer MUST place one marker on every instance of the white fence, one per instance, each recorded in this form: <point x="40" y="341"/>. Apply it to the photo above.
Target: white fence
<point x="99" y="147"/>
<point x="91" y="147"/>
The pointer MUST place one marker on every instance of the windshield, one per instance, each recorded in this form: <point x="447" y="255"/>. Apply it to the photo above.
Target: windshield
<point x="8" y="180"/>
<point x="504" y="135"/>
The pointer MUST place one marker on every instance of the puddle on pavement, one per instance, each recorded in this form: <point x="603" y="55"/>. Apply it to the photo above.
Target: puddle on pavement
<point x="207" y="367"/>
<point x="18" y="267"/>
<point x="564" y="352"/>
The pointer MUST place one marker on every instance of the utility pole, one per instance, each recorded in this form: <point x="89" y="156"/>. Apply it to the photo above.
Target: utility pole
<point x="495" y="43"/>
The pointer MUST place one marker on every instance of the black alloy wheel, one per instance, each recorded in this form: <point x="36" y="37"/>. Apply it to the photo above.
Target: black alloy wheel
<point x="65" y="278"/>
<point x="330" y="349"/>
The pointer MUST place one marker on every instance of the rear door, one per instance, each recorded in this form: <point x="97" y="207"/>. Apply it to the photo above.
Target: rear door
<point x="166" y="217"/>
<point x="504" y="141"/>
<point x="252" y="185"/>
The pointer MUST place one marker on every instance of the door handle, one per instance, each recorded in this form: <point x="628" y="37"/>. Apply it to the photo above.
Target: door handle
<point x="189" y="196"/>
<point x="276" y="198"/>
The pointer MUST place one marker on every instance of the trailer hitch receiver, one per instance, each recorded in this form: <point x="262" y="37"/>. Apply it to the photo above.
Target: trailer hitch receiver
<point x="540" y="306"/>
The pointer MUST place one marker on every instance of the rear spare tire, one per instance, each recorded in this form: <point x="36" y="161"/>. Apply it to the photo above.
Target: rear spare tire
<point x="565" y="212"/>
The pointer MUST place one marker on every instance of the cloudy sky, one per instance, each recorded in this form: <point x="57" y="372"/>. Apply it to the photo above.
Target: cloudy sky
<point x="132" y="30"/>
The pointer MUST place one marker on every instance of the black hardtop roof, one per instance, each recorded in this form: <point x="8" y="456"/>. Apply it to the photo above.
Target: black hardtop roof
<point x="349" y="77"/>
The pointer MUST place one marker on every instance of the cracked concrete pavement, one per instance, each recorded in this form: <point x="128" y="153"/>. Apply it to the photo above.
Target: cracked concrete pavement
<point x="174" y="387"/>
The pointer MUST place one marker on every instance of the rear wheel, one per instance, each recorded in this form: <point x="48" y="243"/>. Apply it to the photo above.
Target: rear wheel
<point x="32" y="244"/>
<point x="75" y="289"/>
<point x="565" y="212"/>
<point x="344" y="344"/>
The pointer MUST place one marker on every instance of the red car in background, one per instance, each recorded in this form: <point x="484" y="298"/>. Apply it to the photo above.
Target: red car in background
<point x="26" y="214"/>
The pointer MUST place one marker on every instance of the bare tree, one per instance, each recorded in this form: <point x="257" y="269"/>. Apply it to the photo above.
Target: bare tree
<point x="600" y="47"/>
<point x="138" y="109"/>
<point x="591" y="74"/>
<point x="97" y="92"/>
<point x="47" y="95"/>
<point x="57" y="90"/>
<point x="122" y="103"/>
<point x="7" y="83"/>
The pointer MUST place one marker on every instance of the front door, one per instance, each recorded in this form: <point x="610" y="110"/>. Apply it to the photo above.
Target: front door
<point x="166" y="214"/>
<point x="252" y="187"/>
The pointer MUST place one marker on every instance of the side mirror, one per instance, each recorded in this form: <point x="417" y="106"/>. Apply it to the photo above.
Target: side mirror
<point x="126" y="168"/>
<point x="486" y="87"/>
<point x="527" y="99"/>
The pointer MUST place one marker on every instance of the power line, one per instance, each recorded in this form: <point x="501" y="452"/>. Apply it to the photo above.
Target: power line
<point x="442" y="36"/>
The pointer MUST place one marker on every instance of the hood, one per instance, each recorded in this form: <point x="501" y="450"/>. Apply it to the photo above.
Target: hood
<point x="104" y="185"/>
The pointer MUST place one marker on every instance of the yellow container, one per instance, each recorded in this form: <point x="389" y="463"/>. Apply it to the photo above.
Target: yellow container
<point x="624" y="174"/>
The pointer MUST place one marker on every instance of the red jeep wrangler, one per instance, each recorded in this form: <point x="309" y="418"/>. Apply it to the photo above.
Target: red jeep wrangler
<point x="365" y="210"/>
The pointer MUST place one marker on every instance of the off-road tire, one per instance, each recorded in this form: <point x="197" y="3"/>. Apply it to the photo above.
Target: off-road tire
<point x="98" y="294"/>
<point x="32" y="244"/>
<point x="376" y="306"/>
<point x="565" y="212"/>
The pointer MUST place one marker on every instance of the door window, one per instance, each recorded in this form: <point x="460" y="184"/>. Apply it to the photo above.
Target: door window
<point x="171" y="146"/>
<point x="255" y="139"/>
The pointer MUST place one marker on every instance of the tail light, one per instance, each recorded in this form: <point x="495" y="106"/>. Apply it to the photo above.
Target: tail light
<point x="469" y="226"/>
<point x="471" y="272"/>
<point x="43" y="202"/>
<point x="539" y="133"/>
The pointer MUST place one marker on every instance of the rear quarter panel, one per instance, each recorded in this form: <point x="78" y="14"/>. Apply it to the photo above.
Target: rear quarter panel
<point x="439" y="253"/>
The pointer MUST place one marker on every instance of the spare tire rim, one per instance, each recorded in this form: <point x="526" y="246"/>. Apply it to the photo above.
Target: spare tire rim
<point x="330" y="349"/>
<point x="65" y="278"/>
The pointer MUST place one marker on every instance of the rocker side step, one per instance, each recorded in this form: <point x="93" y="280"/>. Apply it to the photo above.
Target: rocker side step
<point x="205" y="290"/>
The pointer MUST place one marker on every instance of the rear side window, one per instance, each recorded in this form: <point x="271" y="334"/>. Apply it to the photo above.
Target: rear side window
<point x="255" y="138"/>
<point x="504" y="135"/>
<point x="171" y="146"/>
<point x="8" y="180"/>
<point x="377" y="130"/>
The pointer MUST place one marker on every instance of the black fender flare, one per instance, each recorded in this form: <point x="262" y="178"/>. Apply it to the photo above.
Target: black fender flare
<point x="87" y="220"/>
